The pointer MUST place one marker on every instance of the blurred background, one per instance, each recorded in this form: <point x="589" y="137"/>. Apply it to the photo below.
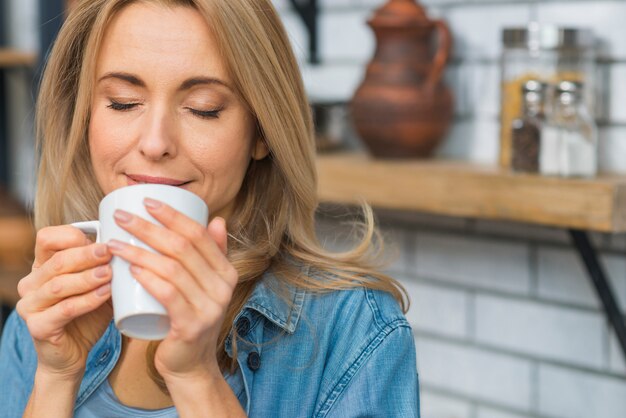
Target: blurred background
<point x="506" y="319"/>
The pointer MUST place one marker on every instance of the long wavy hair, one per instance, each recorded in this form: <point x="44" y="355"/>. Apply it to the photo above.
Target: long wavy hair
<point x="274" y="221"/>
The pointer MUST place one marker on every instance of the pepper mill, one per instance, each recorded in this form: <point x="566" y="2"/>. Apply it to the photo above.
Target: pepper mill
<point x="402" y="109"/>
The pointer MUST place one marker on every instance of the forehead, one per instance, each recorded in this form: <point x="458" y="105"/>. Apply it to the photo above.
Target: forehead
<point x="160" y="42"/>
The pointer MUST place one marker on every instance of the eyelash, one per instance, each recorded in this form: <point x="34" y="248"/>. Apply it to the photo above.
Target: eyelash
<point x="204" y="114"/>
<point x="122" y="107"/>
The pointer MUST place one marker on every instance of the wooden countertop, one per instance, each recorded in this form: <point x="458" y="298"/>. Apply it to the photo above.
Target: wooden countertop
<point x="14" y="58"/>
<point x="463" y="189"/>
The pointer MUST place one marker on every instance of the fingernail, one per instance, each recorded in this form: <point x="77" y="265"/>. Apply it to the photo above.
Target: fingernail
<point x="103" y="290"/>
<point x="122" y="216"/>
<point x="116" y="245"/>
<point x="151" y="203"/>
<point x="100" y="251"/>
<point x="135" y="269"/>
<point x="101" y="271"/>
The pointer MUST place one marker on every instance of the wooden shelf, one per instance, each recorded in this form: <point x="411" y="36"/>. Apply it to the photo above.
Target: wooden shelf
<point x="17" y="241"/>
<point x="474" y="191"/>
<point x="13" y="58"/>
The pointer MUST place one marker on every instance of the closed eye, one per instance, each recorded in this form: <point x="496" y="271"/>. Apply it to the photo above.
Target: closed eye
<point x="122" y="106"/>
<point x="205" y="114"/>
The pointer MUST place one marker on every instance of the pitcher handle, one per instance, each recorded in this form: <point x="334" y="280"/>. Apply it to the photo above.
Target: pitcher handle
<point x="441" y="57"/>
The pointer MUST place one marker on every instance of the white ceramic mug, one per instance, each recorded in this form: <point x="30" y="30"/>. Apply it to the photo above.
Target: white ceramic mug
<point x="138" y="314"/>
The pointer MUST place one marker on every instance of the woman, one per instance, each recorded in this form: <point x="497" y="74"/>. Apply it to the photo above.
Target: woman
<point x="206" y="95"/>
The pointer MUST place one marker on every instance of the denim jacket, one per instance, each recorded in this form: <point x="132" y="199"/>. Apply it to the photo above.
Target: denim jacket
<point x="347" y="353"/>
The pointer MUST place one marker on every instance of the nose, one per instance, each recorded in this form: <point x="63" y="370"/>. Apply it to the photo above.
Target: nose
<point x="158" y="138"/>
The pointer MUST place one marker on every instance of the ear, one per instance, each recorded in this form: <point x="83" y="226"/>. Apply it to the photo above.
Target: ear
<point x="260" y="149"/>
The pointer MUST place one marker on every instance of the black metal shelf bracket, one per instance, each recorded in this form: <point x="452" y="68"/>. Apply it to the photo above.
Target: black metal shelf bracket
<point x="601" y="284"/>
<point x="308" y="11"/>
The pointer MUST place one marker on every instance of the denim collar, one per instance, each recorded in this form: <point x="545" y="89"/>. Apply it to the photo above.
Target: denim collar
<point x="279" y="302"/>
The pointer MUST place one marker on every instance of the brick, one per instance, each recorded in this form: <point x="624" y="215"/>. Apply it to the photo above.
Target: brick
<point x="570" y="393"/>
<point x="499" y="379"/>
<point x="326" y="5"/>
<point x="490" y="264"/>
<point x="437" y="310"/>
<point x="566" y="335"/>
<point x="476" y="88"/>
<point x="297" y="34"/>
<point x="563" y="277"/>
<point x="617" y="364"/>
<point x="477" y="27"/>
<point x="281" y="5"/>
<point x="336" y="235"/>
<point x="395" y="243"/>
<point x="345" y="36"/>
<point x="616" y="242"/>
<point x="342" y="234"/>
<point x="434" y="405"/>
<point x="474" y="140"/>
<point x="605" y="17"/>
<point x="521" y="231"/>
<point x="332" y="82"/>
<point x="485" y="412"/>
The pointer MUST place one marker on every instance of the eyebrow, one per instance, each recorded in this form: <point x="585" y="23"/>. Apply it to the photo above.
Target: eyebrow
<point x="186" y="85"/>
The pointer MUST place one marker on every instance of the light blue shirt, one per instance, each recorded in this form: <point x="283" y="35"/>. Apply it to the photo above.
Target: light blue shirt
<point x="104" y="403"/>
<point x="346" y="353"/>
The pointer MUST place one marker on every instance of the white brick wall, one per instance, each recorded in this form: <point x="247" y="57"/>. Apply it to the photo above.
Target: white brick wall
<point x="529" y="341"/>
<point x="506" y="321"/>
<point x="567" y="335"/>
<point x="438" y="310"/>
<point x="562" y="277"/>
<point x="494" y="265"/>
<point x="476" y="373"/>
<point x="568" y="393"/>
<point x="435" y="405"/>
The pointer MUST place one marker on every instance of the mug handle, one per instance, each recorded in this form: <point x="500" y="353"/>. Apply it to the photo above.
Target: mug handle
<point x="441" y="57"/>
<point x="90" y="227"/>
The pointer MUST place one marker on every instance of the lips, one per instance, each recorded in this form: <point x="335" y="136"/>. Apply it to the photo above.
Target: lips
<point x="143" y="179"/>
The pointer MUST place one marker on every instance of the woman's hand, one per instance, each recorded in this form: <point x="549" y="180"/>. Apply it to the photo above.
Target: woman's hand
<point x="65" y="299"/>
<point x="193" y="280"/>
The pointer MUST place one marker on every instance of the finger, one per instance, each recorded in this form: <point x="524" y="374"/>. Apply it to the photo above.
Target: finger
<point x="71" y="260"/>
<point x="193" y="231"/>
<point x="168" y="269"/>
<point x="184" y="247"/>
<point x="49" y="323"/>
<point x="56" y="238"/>
<point x="217" y="231"/>
<point x="185" y="323"/>
<point x="67" y="285"/>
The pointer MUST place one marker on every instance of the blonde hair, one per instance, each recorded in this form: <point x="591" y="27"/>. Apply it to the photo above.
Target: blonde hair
<point x="274" y="222"/>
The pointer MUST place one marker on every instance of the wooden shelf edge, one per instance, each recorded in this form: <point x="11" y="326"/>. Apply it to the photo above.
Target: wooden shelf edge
<point x="468" y="190"/>
<point x="15" y="58"/>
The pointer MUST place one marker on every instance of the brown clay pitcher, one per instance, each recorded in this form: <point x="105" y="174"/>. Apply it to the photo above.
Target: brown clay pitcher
<point x="402" y="109"/>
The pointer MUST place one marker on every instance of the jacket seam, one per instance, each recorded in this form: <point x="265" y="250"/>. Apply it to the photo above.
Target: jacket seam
<point x="365" y="354"/>
<point x="369" y="296"/>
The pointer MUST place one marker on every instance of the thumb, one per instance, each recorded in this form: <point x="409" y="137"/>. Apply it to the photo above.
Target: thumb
<point x="217" y="231"/>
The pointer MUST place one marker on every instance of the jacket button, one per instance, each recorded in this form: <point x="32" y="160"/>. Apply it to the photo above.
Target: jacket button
<point x="243" y="326"/>
<point x="254" y="361"/>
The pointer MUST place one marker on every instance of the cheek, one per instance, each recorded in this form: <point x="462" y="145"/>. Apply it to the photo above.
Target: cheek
<point x="106" y="146"/>
<point x="225" y="151"/>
